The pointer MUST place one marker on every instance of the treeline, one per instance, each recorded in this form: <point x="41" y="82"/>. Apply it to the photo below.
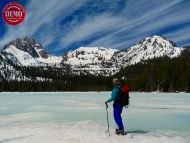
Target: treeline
<point x="66" y="83"/>
<point x="163" y="74"/>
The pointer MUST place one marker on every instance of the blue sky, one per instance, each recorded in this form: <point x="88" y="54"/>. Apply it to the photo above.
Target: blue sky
<point x="63" y="25"/>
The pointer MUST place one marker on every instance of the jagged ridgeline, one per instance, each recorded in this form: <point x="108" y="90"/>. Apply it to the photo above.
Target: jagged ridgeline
<point x="154" y="63"/>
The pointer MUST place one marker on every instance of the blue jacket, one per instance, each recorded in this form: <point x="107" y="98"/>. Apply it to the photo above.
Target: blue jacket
<point x="114" y="94"/>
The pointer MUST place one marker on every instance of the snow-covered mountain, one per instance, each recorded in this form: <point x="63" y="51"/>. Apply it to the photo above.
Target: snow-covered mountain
<point x="99" y="60"/>
<point x="88" y="55"/>
<point x="8" y="71"/>
<point x="93" y="60"/>
<point x="84" y="60"/>
<point x="148" y="48"/>
<point x="26" y="52"/>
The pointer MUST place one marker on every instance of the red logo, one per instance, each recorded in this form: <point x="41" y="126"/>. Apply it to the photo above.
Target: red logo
<point x="13" y="13"/>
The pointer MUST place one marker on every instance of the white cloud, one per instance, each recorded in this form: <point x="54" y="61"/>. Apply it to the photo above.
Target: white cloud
<point x="137" y="20"/>
<point x="41" y="14"/>
<point x="139" y="26"/>
<point x="92" y="26"/>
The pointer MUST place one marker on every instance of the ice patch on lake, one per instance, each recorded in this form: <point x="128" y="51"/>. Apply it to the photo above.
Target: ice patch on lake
<point x="82" y="132"/>
<point x="81" y="118"/>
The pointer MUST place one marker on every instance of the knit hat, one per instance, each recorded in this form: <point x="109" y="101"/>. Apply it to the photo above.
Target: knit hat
<point x="115" y="80"/>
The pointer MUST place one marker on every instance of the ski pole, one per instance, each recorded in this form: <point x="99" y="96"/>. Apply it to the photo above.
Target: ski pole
<point x="107" y="119"/>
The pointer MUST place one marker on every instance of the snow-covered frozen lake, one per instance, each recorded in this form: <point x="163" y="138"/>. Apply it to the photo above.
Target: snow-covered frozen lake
<point x="81" y="118"/>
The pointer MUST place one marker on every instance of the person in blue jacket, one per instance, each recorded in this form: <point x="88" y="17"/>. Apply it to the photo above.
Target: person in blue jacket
<point x="117" y="108"/>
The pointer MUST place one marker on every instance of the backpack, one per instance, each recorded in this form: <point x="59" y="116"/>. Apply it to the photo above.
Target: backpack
<point x="124" y="96"/>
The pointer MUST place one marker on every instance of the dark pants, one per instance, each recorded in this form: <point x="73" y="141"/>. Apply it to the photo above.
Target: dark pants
<point x="117" y="110"/>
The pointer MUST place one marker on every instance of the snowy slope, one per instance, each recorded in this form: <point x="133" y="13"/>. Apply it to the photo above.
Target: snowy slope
<point x="148" y="48"/>
<point x="9" y="72"/>
<point x="26" y="52"/>
<point x="93" y="60"/>
<point x="89" y="55"/>
<point x="23" y="58"/>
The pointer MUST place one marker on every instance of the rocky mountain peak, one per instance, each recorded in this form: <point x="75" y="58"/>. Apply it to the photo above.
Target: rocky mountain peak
<point x="28" y="45"/>
<point x="88" y="55"/>
<point x="148" y="48"/>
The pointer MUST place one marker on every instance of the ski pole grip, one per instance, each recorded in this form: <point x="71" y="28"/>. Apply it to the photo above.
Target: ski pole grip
<point x="106" y="105"/>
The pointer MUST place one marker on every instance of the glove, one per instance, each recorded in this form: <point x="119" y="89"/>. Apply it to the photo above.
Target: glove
<point x="106" y="105"/>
